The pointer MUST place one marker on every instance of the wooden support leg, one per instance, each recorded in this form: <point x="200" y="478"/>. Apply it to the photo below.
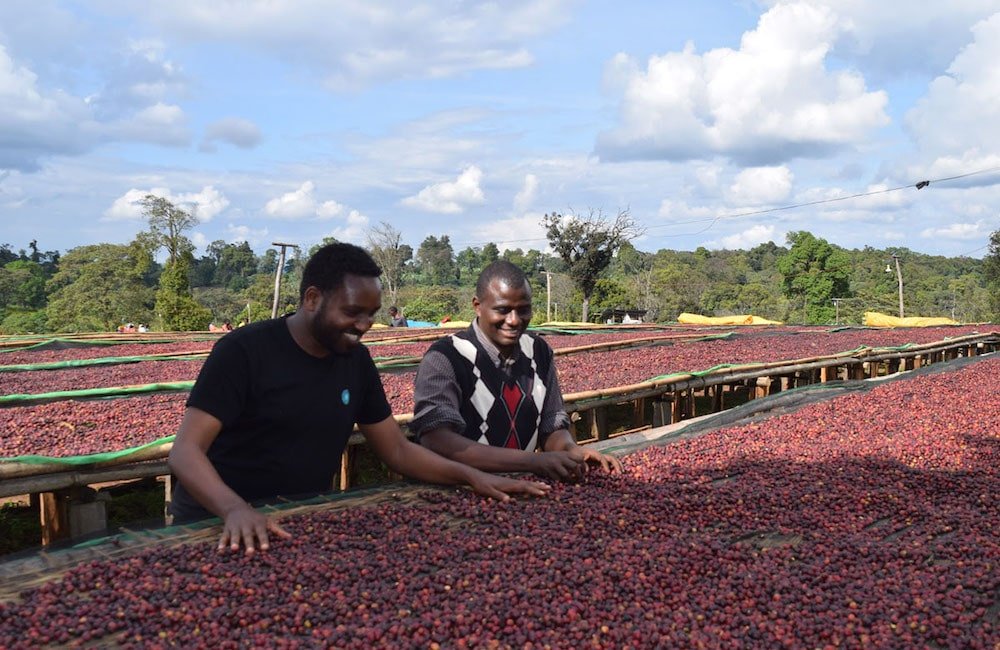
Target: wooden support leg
<point x="763" y="387"/>
<point x="717" y="399"/>
<point x="54" y="516"/>
<point x="599" y="423"/>
<point x="639" y="412"/>
<point x="661" y="411"/>
<point x="677" y="412"/>
<point x="345" y="468"/>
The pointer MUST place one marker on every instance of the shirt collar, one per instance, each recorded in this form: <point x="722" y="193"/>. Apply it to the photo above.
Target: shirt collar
<point x="491" y="350"/>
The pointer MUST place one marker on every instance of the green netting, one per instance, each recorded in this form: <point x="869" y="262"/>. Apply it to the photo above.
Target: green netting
<point x="88" y="459"/>
<point x="95" y="342"/>
<point x="86" y="393"/>
<point x="722" y="366"/>
<point x="100" y="361"/>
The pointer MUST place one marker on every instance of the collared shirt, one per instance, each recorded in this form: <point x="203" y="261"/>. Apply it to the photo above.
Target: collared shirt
<point x="437" y="395"/>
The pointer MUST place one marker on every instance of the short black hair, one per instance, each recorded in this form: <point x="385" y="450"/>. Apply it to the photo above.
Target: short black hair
<point x="394" y="309"/>
<point x="505" y="272"/>
<point x="326" y="269"/>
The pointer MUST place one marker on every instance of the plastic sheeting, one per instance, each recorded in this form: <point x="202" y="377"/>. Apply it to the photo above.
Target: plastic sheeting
<point x="742" y="319"/>
<point x="877" y="319"/>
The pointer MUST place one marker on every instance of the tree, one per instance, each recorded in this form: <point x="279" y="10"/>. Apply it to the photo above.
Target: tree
<point x="436" y="261"/>
<point x="22" y="285"/>
<point x="991" y="274"/>
<point x="177" y="309"/>
<point x="813" y="273"/>
<point x="386" y="248"/>
<point x="98" y="287"/>
<point x="167" y="224"/>
<point x="587" y="246"/>
<point x="237" y="263"/>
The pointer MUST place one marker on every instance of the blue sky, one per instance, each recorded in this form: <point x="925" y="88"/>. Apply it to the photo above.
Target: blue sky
<point x="292" y="121"/>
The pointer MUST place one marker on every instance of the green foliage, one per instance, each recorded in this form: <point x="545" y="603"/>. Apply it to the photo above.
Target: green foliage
<point x="176" y="308"/>
<point x="609" y="294"/>
<point x="436" y="261"/>
<point x="991" y="275"/>
<point x="24" y="322"/>
<point x="99" y="287"/>
<point x="813" y="273"/>
<point x="431" y="304"/>
<point x="22" y="285"/>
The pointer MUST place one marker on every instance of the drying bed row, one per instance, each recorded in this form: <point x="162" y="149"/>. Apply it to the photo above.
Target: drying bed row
<point x="577" y="370"/>
<point x="72" y="428"/>
<point x="866" y="521"/>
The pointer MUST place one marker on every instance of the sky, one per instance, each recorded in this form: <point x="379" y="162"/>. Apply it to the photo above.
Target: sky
<point x="722" y="124"/>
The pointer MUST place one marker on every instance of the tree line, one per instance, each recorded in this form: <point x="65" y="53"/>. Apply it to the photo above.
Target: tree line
<point x="590" y="268"/>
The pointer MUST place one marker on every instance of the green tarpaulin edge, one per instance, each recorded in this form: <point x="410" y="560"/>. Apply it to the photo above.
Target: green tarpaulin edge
<point x="27" y="398"/>
<point x="100" y="361"/>
<point x="33" y="459"/>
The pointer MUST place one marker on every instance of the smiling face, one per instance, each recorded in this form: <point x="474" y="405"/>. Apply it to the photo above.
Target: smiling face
<point x="504" y="312"/>
<point x="340" y="317"/>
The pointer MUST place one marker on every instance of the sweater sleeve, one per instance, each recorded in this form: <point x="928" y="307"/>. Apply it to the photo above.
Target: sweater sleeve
<point x="436" y="396"/>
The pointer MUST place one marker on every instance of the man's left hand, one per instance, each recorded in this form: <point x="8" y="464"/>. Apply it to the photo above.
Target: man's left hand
<point x="607" y="462"/>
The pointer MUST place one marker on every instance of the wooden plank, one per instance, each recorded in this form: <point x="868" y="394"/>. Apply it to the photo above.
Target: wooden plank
<point x="639" y="412"/>
<point x="54" y="516"/>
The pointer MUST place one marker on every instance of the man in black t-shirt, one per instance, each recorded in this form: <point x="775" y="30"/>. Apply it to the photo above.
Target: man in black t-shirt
<point x="276" y="401"/>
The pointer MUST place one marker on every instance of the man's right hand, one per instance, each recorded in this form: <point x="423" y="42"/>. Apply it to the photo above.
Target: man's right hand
<point x="558" y="465"/>
<point x="243" y="524"/>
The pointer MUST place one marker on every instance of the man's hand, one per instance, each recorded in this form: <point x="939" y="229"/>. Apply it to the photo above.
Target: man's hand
<point x="607" y="462"/>
<point x="559" y="465"/>
<point x="243" y="524"/>
<point x="501" y="487"/>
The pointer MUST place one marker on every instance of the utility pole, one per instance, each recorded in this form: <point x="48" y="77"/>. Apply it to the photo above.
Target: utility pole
<point x="899" y="278"/>
<point x="277" y="275"/>
<point x="548" y="295"/>
<point x="836" y="307"/>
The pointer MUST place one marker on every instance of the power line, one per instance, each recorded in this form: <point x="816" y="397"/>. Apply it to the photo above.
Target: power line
<point x="713" y="220"/>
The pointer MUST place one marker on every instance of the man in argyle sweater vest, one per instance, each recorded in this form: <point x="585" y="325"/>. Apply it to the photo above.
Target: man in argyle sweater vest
<point x="489" y="396"/>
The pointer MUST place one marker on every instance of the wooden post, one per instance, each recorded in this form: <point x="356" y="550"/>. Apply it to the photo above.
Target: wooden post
<point x="661" y="411"/>
<point x="717" y="400"/>
<point x="345" y="468"/>
<point x="54" y="516"/>
<point x="599" y="423"/>
<point x="677" y="408"/>
<point x="639" y="412"/>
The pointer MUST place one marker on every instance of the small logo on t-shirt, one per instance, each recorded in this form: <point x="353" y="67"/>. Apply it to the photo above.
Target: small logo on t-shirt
<point x="345" y="396"/>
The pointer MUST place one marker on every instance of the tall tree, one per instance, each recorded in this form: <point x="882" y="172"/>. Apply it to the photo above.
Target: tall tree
<point x="991" y="274"/>
<point x="99" y="287"/>
<point x="587" y="246"/>
<point x="388" y="250"/>
<point x="436" y="261"/>
<point x="167" y="224"/>
<point x="813" y="273"/>
<point x="177" y="309"/>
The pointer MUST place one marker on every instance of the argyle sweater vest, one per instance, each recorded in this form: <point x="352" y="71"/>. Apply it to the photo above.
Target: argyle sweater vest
<point x="499" y="410"/>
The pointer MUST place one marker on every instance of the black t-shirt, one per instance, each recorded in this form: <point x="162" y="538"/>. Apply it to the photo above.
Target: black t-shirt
<point x="286" y="415"/>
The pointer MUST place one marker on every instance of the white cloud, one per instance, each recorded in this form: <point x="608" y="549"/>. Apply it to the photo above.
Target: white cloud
<point x="236" y="131"/>
<point x="960" y="231"/>
<point x="527" y="195"/>
<point x="450" y="197"/>
<point x="525" y="231"/>
<point x="749" y="238"/>
<point x="353" y="230"/>
<point x="772" y="100"/>
<point x="760" y="186"/>
<point x="240" y="233"/>
<point x="956" y="122"/>
<point x="302" y="204"/>
<point x="204" y="205"/>
<point x="353" y="44"/>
